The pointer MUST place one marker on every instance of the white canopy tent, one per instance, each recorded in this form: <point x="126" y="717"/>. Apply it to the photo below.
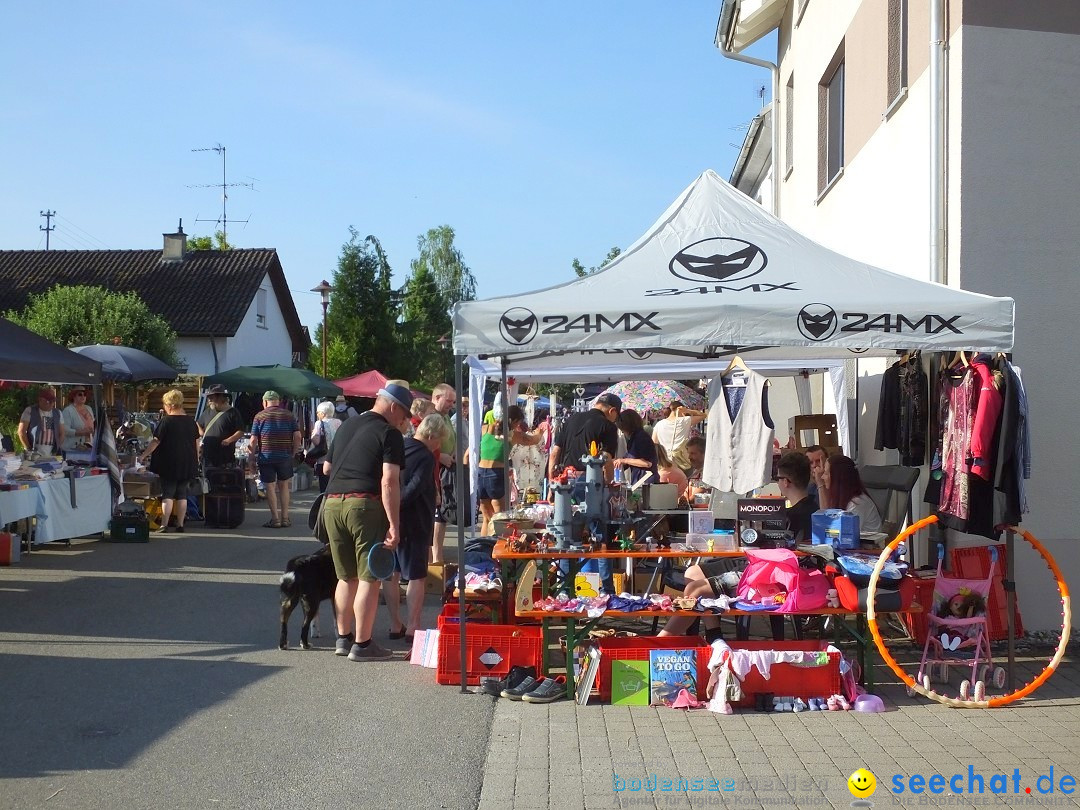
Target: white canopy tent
<point x="717" y="275"/>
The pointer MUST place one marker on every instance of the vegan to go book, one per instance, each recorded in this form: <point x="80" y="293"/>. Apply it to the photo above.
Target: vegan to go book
<point x="671" y="671"/>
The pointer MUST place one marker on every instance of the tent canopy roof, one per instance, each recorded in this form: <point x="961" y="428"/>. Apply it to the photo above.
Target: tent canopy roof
<point x="364" y="384"/>
<point x="717" y="274"/>
<point x="286" y="380"/>
<point x="28" y="357"/>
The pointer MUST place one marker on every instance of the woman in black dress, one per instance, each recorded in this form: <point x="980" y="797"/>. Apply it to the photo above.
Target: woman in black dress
<point x="174" y="456"/>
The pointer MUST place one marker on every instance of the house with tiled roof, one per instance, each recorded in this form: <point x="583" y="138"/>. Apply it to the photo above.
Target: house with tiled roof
<point x="228" y="308"/>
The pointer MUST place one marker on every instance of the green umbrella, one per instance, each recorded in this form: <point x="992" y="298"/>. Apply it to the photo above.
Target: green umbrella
<point x="287" y="381"/>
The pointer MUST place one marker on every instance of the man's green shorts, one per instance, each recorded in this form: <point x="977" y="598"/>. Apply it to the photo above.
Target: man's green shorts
<point x="354" y="525"/>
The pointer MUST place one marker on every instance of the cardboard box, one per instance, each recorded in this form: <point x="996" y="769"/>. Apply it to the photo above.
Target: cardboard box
<point x="434" y="583"/>
<point x="836" y="528"/>
<point x="820" y="426"/>
<point x="141" y="485"/>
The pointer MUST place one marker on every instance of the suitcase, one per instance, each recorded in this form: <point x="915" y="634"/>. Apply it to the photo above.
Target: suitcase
<point x="129" y="529"/>
<point x="225" y="479"/>
<point x="224" y="510"/>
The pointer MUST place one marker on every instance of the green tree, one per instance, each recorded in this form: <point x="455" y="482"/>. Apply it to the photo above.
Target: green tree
<point x="362" y="314"/>
<point x="581" y="270"/>
<point x="425" y="320"/>
<point x="80" y="315"/>
<point x="438" y="254"/>
<point x="215" y="242"/>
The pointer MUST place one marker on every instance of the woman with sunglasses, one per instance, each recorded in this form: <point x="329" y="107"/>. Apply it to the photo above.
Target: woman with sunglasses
<point x="78" y="421"/>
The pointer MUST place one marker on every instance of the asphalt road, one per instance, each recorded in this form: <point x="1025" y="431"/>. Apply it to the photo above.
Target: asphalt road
<point x="148" y="676"/>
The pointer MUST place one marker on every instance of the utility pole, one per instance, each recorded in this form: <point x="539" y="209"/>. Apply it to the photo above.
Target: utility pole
<point x="48" y="226"/>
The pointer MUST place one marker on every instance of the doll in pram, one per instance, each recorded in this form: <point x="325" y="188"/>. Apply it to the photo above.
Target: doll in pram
<point x="958" y="632"/>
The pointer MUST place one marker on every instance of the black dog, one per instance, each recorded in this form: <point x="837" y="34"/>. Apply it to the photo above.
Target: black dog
<point x="308" y="579"/>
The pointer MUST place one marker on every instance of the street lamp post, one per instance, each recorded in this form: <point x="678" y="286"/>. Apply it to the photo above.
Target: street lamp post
<point x="324" y="289"/>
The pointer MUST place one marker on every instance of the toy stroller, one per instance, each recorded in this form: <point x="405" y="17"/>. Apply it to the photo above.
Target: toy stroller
<point x="957" y="632"/>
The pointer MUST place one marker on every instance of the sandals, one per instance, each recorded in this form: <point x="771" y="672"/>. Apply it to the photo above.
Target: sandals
<point x="286" y="522"/>
<point x="272" y="524"/>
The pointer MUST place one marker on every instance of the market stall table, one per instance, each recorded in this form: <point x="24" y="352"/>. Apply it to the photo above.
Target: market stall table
<point x="73" y="507"/>
<point x="853" y="623"/>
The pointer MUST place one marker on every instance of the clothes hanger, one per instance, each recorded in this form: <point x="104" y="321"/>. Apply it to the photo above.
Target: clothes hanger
<point x="736" y="363"/>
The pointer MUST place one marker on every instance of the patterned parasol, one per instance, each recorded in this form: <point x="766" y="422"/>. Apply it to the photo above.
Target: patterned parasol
<point x="650" y="396"/>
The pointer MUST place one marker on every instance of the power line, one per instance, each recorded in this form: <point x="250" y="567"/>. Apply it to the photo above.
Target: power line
<point x="89" y="236"/>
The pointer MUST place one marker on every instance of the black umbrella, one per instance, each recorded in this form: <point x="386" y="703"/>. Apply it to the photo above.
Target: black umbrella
<point x="125" y="364"/>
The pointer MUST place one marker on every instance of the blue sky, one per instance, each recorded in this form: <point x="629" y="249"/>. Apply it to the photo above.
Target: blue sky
<point x="539" y="131"/>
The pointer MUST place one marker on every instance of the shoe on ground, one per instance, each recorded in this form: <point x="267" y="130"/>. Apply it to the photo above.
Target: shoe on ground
<point x="495" y="686"/>
<point x="522" y="689"/>
<point x="372" y="652"/>
<point x="344" y="644"/>
<point x="549" y="690"/>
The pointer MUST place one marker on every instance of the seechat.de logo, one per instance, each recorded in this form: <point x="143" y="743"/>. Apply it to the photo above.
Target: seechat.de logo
<point x="518" y="326"/>
<point x="817" y="321"/>
<point x="718" y="258"/>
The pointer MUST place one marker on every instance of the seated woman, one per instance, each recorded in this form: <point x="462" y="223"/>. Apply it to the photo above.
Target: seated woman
<point x="491" y="485"/>
<point x="844" y="490"/>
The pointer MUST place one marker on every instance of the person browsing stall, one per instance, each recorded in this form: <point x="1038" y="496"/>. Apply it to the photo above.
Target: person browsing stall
<point x="221" y="426"/>
<point x="276" y="439"/>
<point x="491" y="483"/>
<point x="640" y="457"/>
<point x="174" y="456"/>
<point x="322" y="436"/>
<point x="78" y="421"/>
<point x="362" y="509"/>
<point x="40" y="425"/>
<point x="444" y="398"/>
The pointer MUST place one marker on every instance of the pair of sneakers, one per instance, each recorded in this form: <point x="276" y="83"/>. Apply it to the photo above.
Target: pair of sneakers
<point x="345" y="645"/>
<point x="522" y="683"/>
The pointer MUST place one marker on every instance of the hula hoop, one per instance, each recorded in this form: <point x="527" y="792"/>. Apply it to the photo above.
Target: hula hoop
<point x="1003" y="700"/>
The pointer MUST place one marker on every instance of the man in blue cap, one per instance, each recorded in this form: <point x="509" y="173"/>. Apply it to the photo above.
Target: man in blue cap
<point x="363" y="500"/>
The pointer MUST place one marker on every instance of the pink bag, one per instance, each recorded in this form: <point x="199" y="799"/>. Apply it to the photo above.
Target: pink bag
<point x="774" y="569"/>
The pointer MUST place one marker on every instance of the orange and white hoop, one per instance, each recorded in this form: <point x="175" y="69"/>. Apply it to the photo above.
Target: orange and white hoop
<point x="1003" y="700"/>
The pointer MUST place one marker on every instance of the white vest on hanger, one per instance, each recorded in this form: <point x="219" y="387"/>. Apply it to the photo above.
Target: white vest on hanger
<point x="738" y="454"/>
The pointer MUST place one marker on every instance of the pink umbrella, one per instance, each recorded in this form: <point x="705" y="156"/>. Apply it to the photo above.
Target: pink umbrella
<point x="650" y="396"/>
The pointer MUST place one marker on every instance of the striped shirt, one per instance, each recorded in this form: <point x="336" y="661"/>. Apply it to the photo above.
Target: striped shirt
<point x="274" y="428"/>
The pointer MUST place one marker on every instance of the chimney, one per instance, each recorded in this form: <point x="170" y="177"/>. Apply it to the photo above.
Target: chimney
<point x="175" y="245"/>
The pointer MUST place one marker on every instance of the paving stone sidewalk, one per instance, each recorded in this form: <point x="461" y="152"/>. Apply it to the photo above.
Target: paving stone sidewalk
<point x="562" y="755"/>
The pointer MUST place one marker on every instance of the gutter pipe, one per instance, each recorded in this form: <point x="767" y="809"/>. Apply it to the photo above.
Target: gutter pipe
<point x="938" y="205"/>
<point x="722" y="41"/>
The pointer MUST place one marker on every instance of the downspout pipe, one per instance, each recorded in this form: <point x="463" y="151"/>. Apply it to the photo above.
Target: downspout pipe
<point x="723" y="42"/>
<point x="938" y="95"/>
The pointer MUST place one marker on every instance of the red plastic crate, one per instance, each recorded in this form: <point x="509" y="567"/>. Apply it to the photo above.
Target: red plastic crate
<point x="918" y="623"/>
<point x="491" y="649"/>
<point x="788" y="679"/>
<point x="974" y="563"/>
<point x="474" y="612"/>
<point x="636" y="648"/>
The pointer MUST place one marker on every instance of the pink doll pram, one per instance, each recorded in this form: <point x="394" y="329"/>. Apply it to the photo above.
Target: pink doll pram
<point x="957" y="632"/>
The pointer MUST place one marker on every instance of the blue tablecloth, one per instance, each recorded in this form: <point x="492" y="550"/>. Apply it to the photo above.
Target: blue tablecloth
<point x="18" y="504"/>
<point x="57" y="519"/>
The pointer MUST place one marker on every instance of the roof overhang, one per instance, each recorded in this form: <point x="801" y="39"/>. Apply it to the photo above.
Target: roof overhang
<point x="744" y="22"/>
<point x="755" y="157"/>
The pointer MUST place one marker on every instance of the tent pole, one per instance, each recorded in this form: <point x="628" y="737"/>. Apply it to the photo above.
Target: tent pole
<point x="504" y="387"/>
<point x="1010" y="605"/>
<point x="459" y="486"/>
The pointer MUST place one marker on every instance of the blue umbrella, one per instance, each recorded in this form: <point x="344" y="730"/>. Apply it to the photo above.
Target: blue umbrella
<point x="125" y="364"/>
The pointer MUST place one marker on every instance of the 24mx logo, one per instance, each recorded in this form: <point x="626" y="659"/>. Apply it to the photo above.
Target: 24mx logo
<point x="820" y="321"/>
<point x="519" y="325"/>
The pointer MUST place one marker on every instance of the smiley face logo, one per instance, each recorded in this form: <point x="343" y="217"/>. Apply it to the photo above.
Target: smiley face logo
<point x="862" y="784"/>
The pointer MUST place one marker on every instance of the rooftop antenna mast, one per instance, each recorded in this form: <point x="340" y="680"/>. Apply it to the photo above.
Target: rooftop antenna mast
<point x="223" y="220"/>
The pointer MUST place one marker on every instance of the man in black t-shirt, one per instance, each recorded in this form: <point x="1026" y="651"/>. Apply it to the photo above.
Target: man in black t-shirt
<point x="221" y="427"/>
<point x="581" y="429"/>
<point x="362" y="509"/>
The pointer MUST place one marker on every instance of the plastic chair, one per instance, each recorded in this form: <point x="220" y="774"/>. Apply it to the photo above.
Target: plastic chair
<point x="890" y="488"/>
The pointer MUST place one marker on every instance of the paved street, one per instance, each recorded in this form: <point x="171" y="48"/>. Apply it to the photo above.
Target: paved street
<point x="148" y="676"/>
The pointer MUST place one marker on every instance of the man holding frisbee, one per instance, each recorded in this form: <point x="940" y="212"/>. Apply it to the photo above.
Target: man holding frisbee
<point x="363" y="510"/>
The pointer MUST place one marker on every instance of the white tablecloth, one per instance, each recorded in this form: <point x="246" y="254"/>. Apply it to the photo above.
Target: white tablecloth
<point x="18" y="504"/>
<point x="59" y="520"/>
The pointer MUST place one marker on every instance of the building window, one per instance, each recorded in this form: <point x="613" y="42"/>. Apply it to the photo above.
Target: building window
<point x="831" y="122"/>
<point x="260" y="309"/>
<point x="789" y="126"/>
<point x="898" y="47"/>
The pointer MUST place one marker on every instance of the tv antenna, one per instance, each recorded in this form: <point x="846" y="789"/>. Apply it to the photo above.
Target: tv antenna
<point x="223" y="220"/>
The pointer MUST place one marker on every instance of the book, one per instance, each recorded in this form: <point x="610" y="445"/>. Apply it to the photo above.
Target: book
<point x="586" y="677"/>
<point x="629" y="683"/>
<point x="671" y="671"/>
